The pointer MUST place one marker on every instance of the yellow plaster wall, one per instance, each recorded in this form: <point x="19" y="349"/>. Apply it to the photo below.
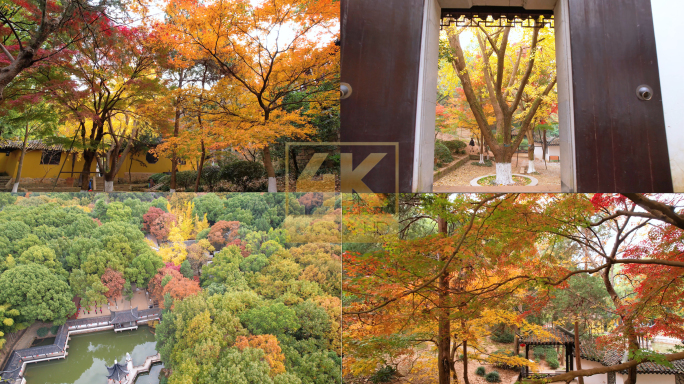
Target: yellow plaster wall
<point x="35" y="170"/>
<point x="4" y="159"/>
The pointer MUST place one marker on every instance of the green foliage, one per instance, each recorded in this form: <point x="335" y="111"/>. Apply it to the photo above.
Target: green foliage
<point x="7" y="199"/>
<point x="540" y="352"/>
<point x="456" y="146"/>
<point x="202" y="234"/>
<point x="211" y="176"/>
<point x="37" y="293"/>
<point x="442" y="154"/>
<point x="186" y="269"/>
<point x="42" y="331"/>
<point x="275" y="319"/>
<point x="552" y="360"/>
<point x="253" y="263"/>
<point x="652" y="356"/>
<point x="487" y="163"/>
<point x="243" y="173"/>
<point x="493" y="377"/>
<point x="480" y="371"/>
<point x="186" y="179"/>
<point x="384" y="374"/>
<point x="225" y="270"/>
<point x="503" y="335"/>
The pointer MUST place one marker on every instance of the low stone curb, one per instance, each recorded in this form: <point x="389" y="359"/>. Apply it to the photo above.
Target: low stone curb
<point x="442" y="172"/>
<point x="534" y="182"/>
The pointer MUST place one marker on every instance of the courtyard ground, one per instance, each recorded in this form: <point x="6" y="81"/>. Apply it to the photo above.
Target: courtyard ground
<point x="139" y="300"/>
<point x="549" y="177"/>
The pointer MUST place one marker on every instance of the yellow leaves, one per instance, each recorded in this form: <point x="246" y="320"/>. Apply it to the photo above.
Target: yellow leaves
<point x="271" y="347"/>
<point x="264" y="51"/>
<point x="175" y="253"/>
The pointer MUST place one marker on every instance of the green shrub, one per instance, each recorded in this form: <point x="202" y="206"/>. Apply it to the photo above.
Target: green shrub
<point x="552" y="360"/>
<point x="487" y="163"/>
<point x="455" y="145"/>
<point x="54" y="329"/>
<point x="383" y="375"/>
<point x="42" y="331"/>
<point x="185" y="179"/>
<point x="480" y="371"/>
<point x="442" y="154"/>
<point x="202" y="234"/>
<point x="211" y="175"/>
<point x="503" y="335"/>
<point x="159" y="177"/>
<point x="245" y="174"/>
<point x="493" y="377"/>
<point x="540" y="352"/>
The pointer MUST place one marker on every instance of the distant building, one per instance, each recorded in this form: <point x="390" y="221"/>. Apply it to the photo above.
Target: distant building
<point x="43" y="161"/>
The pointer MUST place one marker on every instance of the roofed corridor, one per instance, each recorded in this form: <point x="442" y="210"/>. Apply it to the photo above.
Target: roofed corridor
<point x="16" y="366"/>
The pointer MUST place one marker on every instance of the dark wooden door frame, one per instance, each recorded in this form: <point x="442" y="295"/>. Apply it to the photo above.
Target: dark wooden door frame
<point x="620" y="140"/>
<point x="611" y="141"/>
<point x="382" y="106"/>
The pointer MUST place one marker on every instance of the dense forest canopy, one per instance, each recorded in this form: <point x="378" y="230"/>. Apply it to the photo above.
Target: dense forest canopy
<point x="241" y="301"/>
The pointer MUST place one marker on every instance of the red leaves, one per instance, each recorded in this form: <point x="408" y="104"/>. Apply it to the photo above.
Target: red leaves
<point x="114" y="281"/>
<point x="605" y="200"/>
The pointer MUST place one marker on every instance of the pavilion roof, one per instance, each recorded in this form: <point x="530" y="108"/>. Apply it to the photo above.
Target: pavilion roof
<point x="561" y="337"/>
<point x="124" y="316"/>
<point x="117" y="372"/>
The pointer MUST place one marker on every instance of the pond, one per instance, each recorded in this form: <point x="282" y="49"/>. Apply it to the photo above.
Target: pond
<point x="88" y="355"/>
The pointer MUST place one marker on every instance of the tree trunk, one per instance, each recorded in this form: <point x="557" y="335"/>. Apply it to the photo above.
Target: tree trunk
<point x="530" y="152"/>
<point x="115" y="162"/>
<point x="201" y="166"/>
<point x="481" y="140"/>
<point x="15" y="187"/>
<point x="88" y="157"/>
<point x="444" y="330"/>
<point x="176" y="131"/>
<point x="504" y="174"/>
<point x="633" y="342"/>
<point x="578" y="357"/>
<point x="545" y="148"/>
<point x="270" y="172"/>
<point x="465" y="362"/>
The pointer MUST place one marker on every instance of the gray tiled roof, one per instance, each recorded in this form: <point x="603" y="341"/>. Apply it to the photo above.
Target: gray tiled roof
<point x="124" y="316"/>
<point x="611" y="357"/>
<point x="30" y="145"/>
<point x="562" y="336"/>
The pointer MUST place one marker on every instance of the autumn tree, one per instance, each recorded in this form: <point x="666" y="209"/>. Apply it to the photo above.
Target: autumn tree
<point x="114" y="281"/>
<point x="161" y="226"/>
<point x="514" y="91"/>
<point x="169" y="281"/>
<point x="150" y="217"/>
<point x="223" y="232"/>
<point x="260" y="62"/>
<point x="198" y="255"/>
<point x="618" y="240"/>
<point x="109" y="72"/>
<point x="34" y="32"/>
<point x="447" y="286"/>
